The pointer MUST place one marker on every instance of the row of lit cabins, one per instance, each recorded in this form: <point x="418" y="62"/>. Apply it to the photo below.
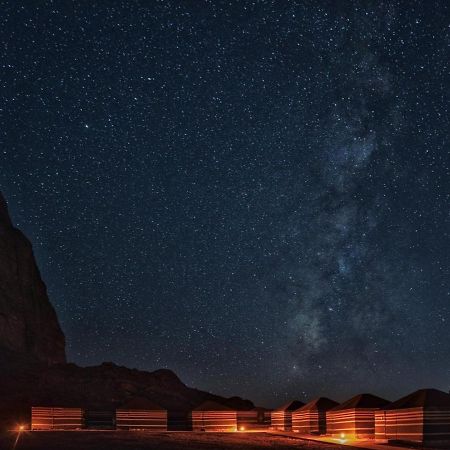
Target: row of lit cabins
<point x="420" y="417"/>
<point x="142" y="414"/>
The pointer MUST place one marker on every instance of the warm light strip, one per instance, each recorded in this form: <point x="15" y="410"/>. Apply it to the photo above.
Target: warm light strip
<point x="214" y="420"/>
<point x="56" y="418"/>
<point x="413" y="424"/>
<point x="141" y="419"/>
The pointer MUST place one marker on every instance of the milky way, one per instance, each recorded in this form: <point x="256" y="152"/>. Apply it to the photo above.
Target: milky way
<point x="253" y="194"/>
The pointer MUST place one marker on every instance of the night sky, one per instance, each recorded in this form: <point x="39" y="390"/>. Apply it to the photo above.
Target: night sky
<point x="252" y="194"/>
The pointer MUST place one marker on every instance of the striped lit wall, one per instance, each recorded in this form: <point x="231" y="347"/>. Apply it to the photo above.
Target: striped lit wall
<point x="437" y="425"/>
<point x="281" y="420"/>
<point x="309" y="422"/>
<point x="214" y="420"/>
<point x="141" y="420"/>
<point x="413" y="425"/>
<point x="56" y="418"/>
<point x="353" y="423"/>
<point x="381" y="425"/>
<point x="253" y="420"/>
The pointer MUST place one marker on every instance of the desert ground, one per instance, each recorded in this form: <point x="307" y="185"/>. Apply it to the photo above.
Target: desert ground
<point x="117" y="440"/>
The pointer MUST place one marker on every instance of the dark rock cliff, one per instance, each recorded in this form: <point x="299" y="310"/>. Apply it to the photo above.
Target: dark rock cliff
<point x="28" y="322"/>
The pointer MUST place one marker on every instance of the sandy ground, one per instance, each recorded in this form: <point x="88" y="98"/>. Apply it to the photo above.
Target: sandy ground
<point x="137" y="440"/>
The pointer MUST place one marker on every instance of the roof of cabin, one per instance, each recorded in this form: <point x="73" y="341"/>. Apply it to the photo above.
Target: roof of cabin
<point x="141" y="403"/>
<point x="319" y="404"/>
<point x="210" y="405"/>
<point x="362" y="401"/>
<point x="291" y="406"/>
<point x="422" y="398"/>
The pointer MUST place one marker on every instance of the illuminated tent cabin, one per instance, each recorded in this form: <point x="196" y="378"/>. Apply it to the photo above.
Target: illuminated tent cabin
<point x="420" y="417"/>
<point x="253" y="419"/>
<point x="56" y="418"/>
<point x="281" y="418"/>
<point x="213" y="416"/>
<point x="355" y="418"/>
<point x="311" y="418"/>
<point x="141" y="414"/>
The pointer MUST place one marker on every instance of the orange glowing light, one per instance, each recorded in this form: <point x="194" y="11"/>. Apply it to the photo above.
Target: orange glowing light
<point x="20" y="428"/>
<point x="242" y="428"/>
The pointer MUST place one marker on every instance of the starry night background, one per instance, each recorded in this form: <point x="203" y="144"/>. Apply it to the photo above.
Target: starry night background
<point x="252" y="194"/>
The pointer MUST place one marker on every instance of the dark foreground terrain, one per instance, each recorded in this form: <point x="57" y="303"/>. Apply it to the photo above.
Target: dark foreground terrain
<point x="116" y="440"/>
